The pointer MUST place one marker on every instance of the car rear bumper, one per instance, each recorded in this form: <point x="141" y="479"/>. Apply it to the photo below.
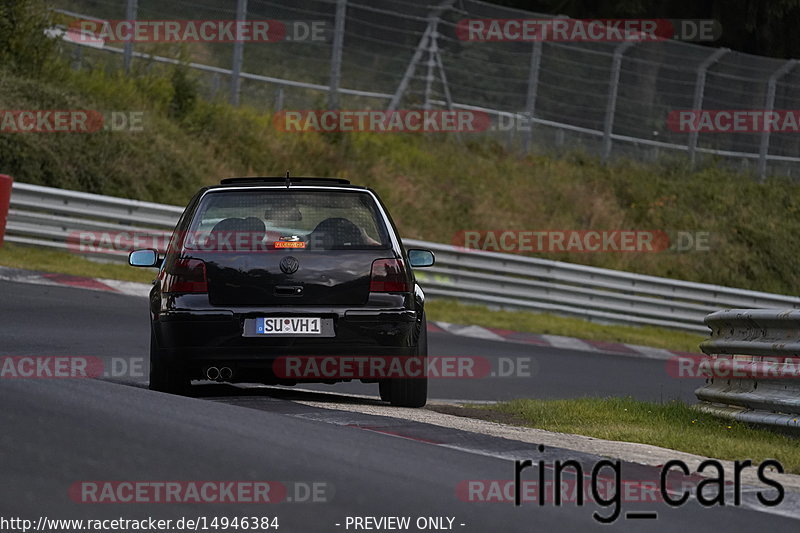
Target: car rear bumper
<point x="198" y="339"/>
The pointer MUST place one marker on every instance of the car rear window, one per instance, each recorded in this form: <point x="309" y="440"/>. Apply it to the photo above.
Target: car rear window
<point x="319" y="219"/>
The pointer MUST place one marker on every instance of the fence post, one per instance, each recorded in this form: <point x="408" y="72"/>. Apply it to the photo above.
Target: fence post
<point x="772" y="85"/>
<point x="238" y="53"/>
<point x="127" y="54"/>
<point x="336" y="54"/>
<point x="412" y="65"/>
<point x="423" y="46"/>
<point x="699" y="93"/>
<point x="533" y="90"/>
<point x="443" y="77"/>
<point x="5" y="199"/>
<point x="77" y="58"/>
<point x="433" y="52"/>
<point x="611" y="105"/>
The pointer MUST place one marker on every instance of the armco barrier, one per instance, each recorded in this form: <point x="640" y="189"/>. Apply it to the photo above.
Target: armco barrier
<point x="52" y="218"/>
<point x="44" y="216"/>
<point x="750" y="336"/>
<point x="5" y="197"/>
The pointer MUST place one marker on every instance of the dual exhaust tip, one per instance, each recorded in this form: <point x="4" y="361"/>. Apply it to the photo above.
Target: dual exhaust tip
<point x="219" y="374"/>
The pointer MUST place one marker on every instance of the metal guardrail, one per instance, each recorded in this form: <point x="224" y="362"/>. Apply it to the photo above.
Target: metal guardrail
<point x="755" y="338"/>
<point x="55" y="218"/>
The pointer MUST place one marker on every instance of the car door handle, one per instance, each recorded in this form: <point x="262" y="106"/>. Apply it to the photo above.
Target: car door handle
<point x="288" y="290"/>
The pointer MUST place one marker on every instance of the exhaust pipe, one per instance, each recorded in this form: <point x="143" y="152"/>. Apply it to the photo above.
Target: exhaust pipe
<point x="225" y="373"/>
<point x="212" y="373"/>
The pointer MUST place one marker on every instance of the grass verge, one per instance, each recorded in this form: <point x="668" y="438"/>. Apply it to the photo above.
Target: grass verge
<point x="30" y="258"/>
<point x="674" y="425"/>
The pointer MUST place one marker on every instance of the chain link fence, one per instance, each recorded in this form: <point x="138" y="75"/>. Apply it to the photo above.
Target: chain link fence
<point x="608" y="99"/>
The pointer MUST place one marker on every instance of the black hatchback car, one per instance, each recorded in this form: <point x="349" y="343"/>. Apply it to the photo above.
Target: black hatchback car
<point x="265" y="276"/>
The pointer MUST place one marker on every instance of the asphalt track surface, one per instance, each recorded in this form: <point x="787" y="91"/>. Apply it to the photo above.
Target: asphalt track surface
<point x="56" y="432"/>
<point x="48" y="320"/>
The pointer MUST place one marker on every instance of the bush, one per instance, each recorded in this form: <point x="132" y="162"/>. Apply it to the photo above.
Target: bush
<point x="24" y="47"/>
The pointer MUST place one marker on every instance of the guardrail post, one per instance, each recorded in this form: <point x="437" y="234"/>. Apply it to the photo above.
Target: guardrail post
<point x="772" y="85"/>
<point x="130" y="15"/>
<point x="699" y="93"/>
<point x="611" y="105"/>
<point x="5" y="199"/>
<point x="238" y="53"/>
<point x="336" y="54"/>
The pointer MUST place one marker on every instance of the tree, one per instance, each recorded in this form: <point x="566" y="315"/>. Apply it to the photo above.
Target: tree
<point x="24" y="47"/>
<point x="760" y="27"/>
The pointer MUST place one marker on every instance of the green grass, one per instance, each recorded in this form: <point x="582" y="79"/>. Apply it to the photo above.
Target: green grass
<point x="541" y="323"/>
<point x="45" y="260"/>
<point x="672" y="425"/>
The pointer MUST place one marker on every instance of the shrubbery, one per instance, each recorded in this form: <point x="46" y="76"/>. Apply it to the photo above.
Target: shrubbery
<point x="23" y="47"/>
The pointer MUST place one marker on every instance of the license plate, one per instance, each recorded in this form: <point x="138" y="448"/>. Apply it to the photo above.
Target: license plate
<point x="289" y="326"/>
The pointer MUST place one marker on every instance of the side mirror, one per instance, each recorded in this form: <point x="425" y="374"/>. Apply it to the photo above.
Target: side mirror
<point x="421" y="258"/>
<point x="144" y="258"/>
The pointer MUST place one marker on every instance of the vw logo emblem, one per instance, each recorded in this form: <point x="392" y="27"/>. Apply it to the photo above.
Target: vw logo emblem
<point x="289" y="264"/>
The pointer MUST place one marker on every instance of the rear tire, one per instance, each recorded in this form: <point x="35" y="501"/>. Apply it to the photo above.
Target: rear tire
<point x="412" y="392"/>
<point x="165" y="374"/>
<point x="384" y="388"/>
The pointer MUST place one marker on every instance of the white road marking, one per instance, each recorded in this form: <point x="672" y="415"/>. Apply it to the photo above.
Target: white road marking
<point x="568" y="342"/>
<point x="652" y="353"/>
<point x="131" y="288"/>
<point x="476" y="332"/>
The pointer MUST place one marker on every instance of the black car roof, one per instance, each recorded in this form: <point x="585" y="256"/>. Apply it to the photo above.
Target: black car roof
<point x="283" y="180"/>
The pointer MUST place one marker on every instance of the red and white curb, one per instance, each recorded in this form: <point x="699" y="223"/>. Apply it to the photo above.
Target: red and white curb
<point x="131" y="288"/>
<point x="556" y="341"/>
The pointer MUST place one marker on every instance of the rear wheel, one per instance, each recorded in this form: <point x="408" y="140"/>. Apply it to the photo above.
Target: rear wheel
<point x="165" y="374"/>
<point x="411" y="392"/>
<point x="385" y="390"/>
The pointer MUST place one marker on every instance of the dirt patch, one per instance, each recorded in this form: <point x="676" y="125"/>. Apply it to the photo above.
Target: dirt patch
<point x="477" y="413"/>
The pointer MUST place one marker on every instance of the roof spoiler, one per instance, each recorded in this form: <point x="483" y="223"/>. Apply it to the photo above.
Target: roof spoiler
<point x="284" y="180"/>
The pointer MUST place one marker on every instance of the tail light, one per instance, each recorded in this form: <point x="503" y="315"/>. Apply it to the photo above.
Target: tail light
<point x="186" y="275"/>
<point x="388" y="275"/>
